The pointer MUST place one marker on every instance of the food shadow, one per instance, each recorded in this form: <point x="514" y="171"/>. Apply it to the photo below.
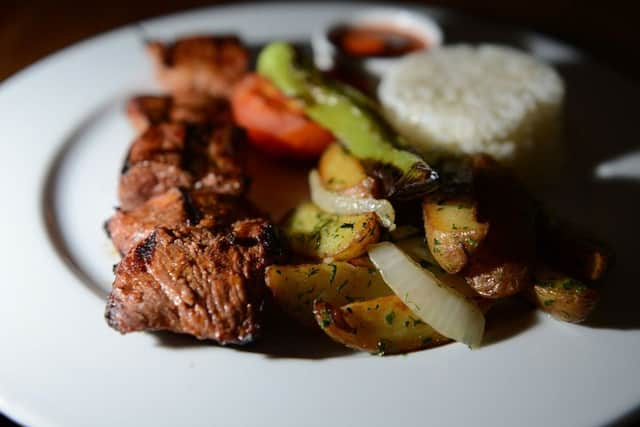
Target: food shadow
<point x="282" y="338"/>
<point x="598" y="131"/>
<point x="508" y="318"/>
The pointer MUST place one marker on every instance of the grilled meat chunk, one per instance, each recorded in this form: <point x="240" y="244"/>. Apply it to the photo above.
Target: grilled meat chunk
<point x="148" y="110"/>
<point x="207" y="64"/>
<point x="170" y="155"/>
<point x="194" y="281"/>
<point x="173" y="208"/>
<point x="146" y="179"/>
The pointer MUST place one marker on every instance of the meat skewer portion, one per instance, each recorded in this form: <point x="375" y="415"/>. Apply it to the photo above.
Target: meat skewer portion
<point x="194" y="281"/>
<point x="144" y="111"/>
<point x="173" y="208"/>
<point x="168" y="155"/>
<point x="194" y="248"/>
<point x="205" y="64"/>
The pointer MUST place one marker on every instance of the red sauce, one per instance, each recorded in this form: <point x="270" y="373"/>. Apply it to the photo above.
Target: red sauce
<point x="376" y="40"/>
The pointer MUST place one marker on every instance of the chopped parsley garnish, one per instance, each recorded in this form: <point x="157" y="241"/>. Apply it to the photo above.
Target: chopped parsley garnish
<point x="382" y="346"/>
<point x="390" y="317"/>
<point x="326" y="319"/>
<point x="334" y="268"/>
<point x="416" y="322"/>
<point x="303" y="293"/>
<point x="407" y="302"/>
<point x="342" y="285"/>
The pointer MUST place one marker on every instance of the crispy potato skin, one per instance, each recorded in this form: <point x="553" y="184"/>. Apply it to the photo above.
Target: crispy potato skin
<point x="339" y="170"/>
<point x="383" y="325"/>
<point x="313" y="233"/>
<point x="453" y="229"/>
<point x="493" y="277"/>
<point x="561" y="296"/>
<point x="295" y="287"/>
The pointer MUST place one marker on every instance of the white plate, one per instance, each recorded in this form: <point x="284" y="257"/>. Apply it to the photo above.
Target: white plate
<point x="64" y="134"/>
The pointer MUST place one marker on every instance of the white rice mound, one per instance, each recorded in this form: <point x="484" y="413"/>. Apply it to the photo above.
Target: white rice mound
<point x="470" y="99"/>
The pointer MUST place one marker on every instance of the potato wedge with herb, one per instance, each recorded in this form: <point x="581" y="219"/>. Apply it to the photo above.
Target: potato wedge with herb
<point x="315" y="233"/>
<point x="502" y="264"/>
<point x="453" y="229"/>
<point x="339" y="170"/>
<point x="484" y="230"/>
<point x="382" y="325"/>
<point x="561" y="296"/>
<point x="295" y="287"/>
<point x="572" y="251"/>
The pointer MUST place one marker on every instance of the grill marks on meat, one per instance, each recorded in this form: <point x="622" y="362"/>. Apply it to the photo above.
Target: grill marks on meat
<point x="164" y="143"/>
<point x="168" y="155"/>
<point x="191" y="108"/>
<point x="206" y="64"/>
<point x="194" y="281"/>
<point x="173" y="208"/>
<point x="216" y="157"/>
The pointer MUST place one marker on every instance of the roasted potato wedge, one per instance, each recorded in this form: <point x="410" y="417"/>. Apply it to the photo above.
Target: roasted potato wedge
<point x="295" y="287"/>
<point x="339" y="170"/>
<point x="315" y="233"/>
<point x="485" y="231"/>
<point x="502" y="264"/>
<point x="453" y="229"/>
<point x="561" y="296"/>
<point x="572" y="251"/>
<point x="382" y="325"/>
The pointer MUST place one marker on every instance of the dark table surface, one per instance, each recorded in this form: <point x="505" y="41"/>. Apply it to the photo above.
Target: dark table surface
<point x="32" y="29"/>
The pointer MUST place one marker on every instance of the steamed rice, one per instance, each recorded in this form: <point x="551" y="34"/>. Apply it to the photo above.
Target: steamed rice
<point x="465" y="99"/>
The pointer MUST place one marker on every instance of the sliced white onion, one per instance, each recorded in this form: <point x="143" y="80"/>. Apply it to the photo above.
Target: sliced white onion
<point x="443" y="308"/>
<point x="347" y="205"/>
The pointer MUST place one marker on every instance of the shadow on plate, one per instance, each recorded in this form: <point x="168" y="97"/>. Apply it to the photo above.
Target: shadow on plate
<point x="610" y="208"/>
<point x="508" y="318"/>
<point x="281" y="339"/>
<point x="597" y="129"/>
<point x="284" y="339"/>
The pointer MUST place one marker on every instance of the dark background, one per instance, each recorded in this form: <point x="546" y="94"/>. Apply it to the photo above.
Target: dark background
<point x="32" y="29"/>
